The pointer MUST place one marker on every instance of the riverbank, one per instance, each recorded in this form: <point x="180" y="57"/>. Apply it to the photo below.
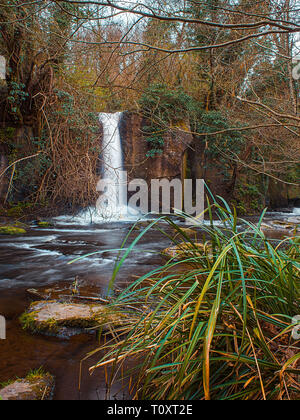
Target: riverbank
<point x="39" y="260"/>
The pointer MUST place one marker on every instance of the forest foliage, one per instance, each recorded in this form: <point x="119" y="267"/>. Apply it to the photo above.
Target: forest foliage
<point x="223" y="67"/>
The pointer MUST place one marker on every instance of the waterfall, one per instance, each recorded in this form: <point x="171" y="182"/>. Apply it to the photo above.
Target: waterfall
<point x="296" y="211"/>
<point x="113" y="204"/>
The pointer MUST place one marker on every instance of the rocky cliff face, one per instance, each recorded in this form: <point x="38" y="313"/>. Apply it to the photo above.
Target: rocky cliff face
<point x="203" y="166"/>
<point x="184" y="157"/>
<point x="169" y="165"/>
<point x="283" y="195"/>
<point x="3" y="175"/>
<point x="271" y="193"/>
<point x="135" y="148"/>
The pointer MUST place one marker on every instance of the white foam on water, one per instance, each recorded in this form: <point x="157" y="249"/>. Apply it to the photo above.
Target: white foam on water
<point x="97" y="263"/>
<point x="92" y="216"/>
<point x="24" y="239"/>
<point x="31" y="247"/>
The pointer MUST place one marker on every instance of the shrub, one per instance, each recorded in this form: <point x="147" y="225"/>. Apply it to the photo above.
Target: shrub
<point x="214" y="325"/>
<point x="163" y="107"/>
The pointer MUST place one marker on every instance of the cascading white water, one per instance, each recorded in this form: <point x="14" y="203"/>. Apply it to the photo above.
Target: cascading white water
<point x="114" y="204"/>
<point x="296" y="211"/>
<point x="112" y="152"/>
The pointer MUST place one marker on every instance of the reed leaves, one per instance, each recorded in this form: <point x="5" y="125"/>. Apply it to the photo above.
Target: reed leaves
<point x="215" y="322"/>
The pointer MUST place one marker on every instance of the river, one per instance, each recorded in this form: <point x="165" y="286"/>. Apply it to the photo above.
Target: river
<point x="40" y="259"/>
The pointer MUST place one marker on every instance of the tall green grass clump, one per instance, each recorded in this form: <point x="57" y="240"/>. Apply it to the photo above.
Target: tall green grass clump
<point x="215" y="322"/>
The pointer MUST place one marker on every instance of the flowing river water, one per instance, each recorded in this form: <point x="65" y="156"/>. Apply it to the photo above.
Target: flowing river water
<point x="40" y="259"/>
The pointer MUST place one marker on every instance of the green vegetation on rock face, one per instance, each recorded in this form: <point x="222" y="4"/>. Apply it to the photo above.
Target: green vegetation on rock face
<point x="16" y="96"/>
<point x="17" y="210"/>
<point x="163" y="107"/>
<point x="221" y="148"/>
<point x="28" y="322"/>
<point x="174" y="76"/>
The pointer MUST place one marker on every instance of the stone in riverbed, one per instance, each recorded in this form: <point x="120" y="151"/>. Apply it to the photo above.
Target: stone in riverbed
<point x="33" y="388"/>
<point x="44" y="224"/>
<point x="55" y="318"/>
<point x="294" y="220"/>
<point x="11" y="230"/>
<point x="291" y="225"/>
<point x="187" y="250"/>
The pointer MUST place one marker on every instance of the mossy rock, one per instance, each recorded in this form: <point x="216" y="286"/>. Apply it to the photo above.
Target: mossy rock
<point x="187" y="250"/>
<point x="54" y="317"/>
<point x="36" y="386"/>
<point x="11" y="230"/>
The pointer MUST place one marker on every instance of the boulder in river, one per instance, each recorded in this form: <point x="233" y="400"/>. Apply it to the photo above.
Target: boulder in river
<point x="291" y="225"/>
<point x="11" y="230"/>
<point x="36" y="386"/>
<point x="55" y="318"/>
<point x="188" y="250"/>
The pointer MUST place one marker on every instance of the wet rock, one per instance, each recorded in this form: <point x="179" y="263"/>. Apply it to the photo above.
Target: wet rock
<point x="37" y="294"/>
<point x="291" y="225"/>
<point x="77" y="292"/>
<point x="33" y="388"/>
<point x="138" y="164"/>
<point x="294" y="220"/>
<point x="44" y="224"/>
<point x="287" y="210"/>
<point x="187" y="250"/>
<point x="55" y="318"/>
<point x="191" y="233"/>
